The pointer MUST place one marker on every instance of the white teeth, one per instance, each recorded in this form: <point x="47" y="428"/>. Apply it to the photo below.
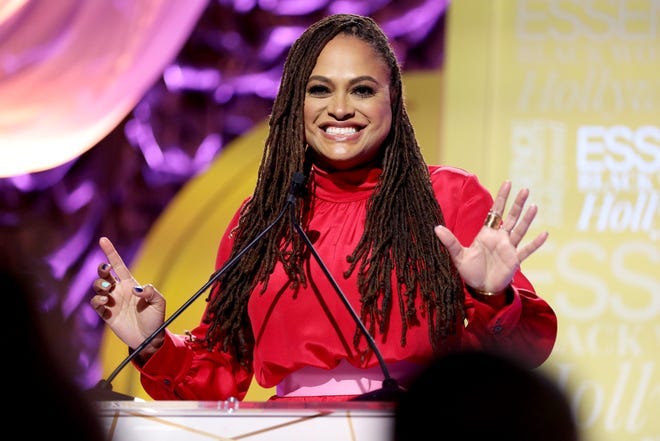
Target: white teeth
<point x="340" y="130"/>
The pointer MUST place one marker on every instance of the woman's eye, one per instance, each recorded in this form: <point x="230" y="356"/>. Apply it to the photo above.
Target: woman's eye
<point x="317" y="90"/>
<point x="364" y="91"/>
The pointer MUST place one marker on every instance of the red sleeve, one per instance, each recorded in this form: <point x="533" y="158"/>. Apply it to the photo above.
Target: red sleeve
<point x="525" y="329"/>
<point x="183" y="368"/>
<point x="526" y="326"/>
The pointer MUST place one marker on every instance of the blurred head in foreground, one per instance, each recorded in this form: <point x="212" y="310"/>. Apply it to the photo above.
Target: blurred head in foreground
<point x="470" y="396"/>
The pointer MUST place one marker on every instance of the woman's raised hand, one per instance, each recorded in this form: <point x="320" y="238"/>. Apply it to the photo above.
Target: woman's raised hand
<point x="496" y="253"/>
<point x="131" y="310"/>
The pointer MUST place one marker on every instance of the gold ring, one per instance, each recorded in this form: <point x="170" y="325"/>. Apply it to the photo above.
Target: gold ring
<point x="493" y="220"/>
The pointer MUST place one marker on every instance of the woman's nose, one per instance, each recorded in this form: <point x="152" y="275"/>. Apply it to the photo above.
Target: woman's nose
<point x="340" y="107"/>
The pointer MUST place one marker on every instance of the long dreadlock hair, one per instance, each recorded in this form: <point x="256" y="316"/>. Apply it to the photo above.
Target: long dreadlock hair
<point x="398" y="234"/>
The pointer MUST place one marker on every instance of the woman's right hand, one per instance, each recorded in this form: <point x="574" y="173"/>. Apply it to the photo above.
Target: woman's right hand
<point x="131" y="310"/>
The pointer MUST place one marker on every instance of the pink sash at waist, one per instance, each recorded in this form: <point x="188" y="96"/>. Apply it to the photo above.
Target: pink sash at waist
<point x="345" y="379"/>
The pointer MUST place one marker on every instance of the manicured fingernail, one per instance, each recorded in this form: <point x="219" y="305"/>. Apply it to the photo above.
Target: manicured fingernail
<point x="105" y="284"/>
<point x="104" y="266"/>
<point x="138" y="288"/>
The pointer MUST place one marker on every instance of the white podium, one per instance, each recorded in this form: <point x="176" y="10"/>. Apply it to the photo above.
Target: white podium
<point x="254" y="421"/>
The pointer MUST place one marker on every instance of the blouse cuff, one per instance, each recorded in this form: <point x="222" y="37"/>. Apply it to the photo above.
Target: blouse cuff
<point x="165" y="364"/>
<point x="498" y="319"/>
<point x="507" y="317"/>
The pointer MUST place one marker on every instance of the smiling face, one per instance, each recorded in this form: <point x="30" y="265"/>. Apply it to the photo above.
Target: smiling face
<point x="347" y="108"/>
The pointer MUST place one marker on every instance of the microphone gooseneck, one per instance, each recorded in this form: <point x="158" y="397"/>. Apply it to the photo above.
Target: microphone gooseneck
<point x="390" y="388"/>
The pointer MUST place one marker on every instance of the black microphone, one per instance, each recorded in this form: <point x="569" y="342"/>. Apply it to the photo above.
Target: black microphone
<point x="102" y="391"/>
<point x="297" y="186"/>
<point x="390" y="390"/>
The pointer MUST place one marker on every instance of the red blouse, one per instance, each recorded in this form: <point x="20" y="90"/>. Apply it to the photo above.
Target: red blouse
<point x="313" y="327"/>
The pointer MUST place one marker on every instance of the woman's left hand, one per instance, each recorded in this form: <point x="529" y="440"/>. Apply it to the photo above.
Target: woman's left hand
<point x="495" y="255"/>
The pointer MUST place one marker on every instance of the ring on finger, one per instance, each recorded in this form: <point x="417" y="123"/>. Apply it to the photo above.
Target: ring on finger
<point x="493" y="220"/>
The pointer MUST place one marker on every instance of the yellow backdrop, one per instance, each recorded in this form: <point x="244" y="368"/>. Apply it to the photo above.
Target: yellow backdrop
<point x="563" y="97"/>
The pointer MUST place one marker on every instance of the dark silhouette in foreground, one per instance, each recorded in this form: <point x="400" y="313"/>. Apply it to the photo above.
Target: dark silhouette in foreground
<point x="471" y="396"/>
